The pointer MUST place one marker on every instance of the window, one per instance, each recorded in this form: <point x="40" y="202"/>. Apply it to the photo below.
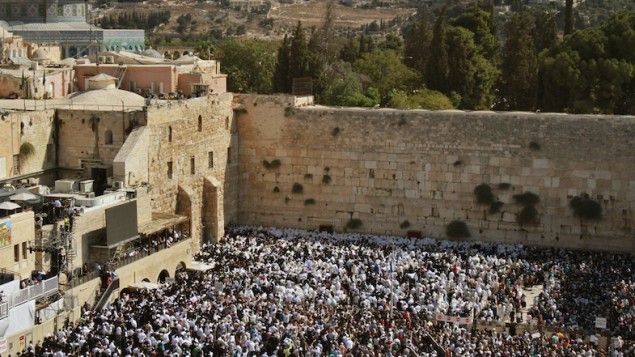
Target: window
<point x="24" y="250"/>
<point x="108" y="137"/>
<point x="16" y="253"/>
<point x="229" y="154"/>
<point x="169" y="134"/>
<point x="192" y="165"/>
<point x="169" y="169"/>
<point x="200" y="123"/>
<point x="132" y="86"/>
<point x="210" y="160"/>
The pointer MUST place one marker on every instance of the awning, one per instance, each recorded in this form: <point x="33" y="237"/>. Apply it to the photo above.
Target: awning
<point x="145" y="285"/>
<point x="161" y="221"/>
<point x="200" y="267"/>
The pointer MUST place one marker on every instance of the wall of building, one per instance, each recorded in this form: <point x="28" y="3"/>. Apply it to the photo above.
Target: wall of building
<point x="22" y="231"/>
<point x="217" y="136"/>
<point x="83" y="136"/>
<point x="387" y="167"/>
<point x="36" y="128"/>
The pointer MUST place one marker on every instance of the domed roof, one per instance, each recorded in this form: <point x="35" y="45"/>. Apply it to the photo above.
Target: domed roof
<point x="152" y="53"/>
<point x="107" y="97"/>
<point x="40" y="54"/>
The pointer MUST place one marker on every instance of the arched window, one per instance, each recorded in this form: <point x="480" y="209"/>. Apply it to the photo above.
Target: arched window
<point x="200" y="123"/>
<point x="108" y="137"/>
<point x="169" y="134"/>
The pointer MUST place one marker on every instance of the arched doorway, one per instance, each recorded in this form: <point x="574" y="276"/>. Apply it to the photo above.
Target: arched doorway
<point x="162" y="276"/>
<point x="180" y="270"/>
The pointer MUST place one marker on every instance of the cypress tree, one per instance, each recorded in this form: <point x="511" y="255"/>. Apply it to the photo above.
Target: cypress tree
<point x="417" y="46"/>
<point x="437" y="67"/>
<point x="281" y="81"/>
<point x="568" y="17"/>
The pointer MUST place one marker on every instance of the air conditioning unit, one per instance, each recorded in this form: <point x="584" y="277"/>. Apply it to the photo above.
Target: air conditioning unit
<point x="110" y="59"/>
<point x="117" y="184"/>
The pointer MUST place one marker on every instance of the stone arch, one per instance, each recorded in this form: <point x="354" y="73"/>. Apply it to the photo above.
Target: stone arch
<point x="212" y="211"/>
<point x="146" y="280"/>
<point x="162" y="276"/>
<point x="181" y="267"/>
<point x="108" y="137"/>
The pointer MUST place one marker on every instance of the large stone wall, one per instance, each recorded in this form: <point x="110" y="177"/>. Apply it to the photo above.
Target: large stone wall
<point x="390" y="166"/>
<point x="175" y="137"/>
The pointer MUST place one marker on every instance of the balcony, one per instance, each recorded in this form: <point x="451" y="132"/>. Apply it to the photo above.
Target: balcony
<point x="44" y="288"/>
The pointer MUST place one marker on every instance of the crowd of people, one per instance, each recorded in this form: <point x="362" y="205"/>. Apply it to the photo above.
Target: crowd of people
<point x="287" y="292"/>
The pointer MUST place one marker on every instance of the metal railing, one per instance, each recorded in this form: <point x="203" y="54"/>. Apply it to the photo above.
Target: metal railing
<point x="46" y="287"/>
<point x="4" y="309"/>
<point x="105" y="297"/>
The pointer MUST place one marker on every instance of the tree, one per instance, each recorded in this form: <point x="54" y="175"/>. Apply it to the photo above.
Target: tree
<point x="249" y="65"/>
<point x="385" y="71"/>
<point x="545" y="32"/>
<point x="348" y="92"/>
<point x="568" y="17"/>
<point x="417" y="44"/>
<point x="298" y="54"/>
<point x="437" y="67"/>
<point x="479" y="23"/>
<point x="281" y="79"/>
<point x="420" y="99"/>
<point x="469" y="73"/>
<point x="519" y="68"/>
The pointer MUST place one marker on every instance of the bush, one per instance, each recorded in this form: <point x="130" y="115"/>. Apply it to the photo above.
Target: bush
<point x="504" y="186"/>
<point x="354" y="223"/>
<point x="405" y="224"/>
<point x="484" y="194"/>
<point x="308" y="176"/>
<point x="276" y="189"/>
<point x="586" y="208"/>
<point x="27" y="149"/>
<point x="457" y="229"/>
<point x="309" y="201"/>
<point x="495" y="207"/>
<point x="326" y="179"/>
<point x="297" y="188"/>
<point x="527" y="199"/>
<point x="528" y="215"/>
<point x="274" y="164"/>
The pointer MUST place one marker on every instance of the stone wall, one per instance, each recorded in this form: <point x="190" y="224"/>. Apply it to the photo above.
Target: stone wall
<point x="18" y="128"/>
<point x="177" y="136"/>
<point x="86" y="134"/>
<point x="399" y="171"/>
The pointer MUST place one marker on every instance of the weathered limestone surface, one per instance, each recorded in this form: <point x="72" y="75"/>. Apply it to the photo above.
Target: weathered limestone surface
<point x="385" y="167"/>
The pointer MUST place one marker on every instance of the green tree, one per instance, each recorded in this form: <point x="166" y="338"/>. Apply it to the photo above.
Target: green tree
<point x="421" y="99"/>
<point x="249" y="65"/>
<point x="545" y="31"/>
<point x="281" y="79"/>
<point x="417" y="44"/>
<point x="384" y="70"/>
<point x="437" y="67"/>
<point x="478" y="21"/>
<point x="519" y="67"/>
<point x="298" y="54"/>
<point x="568" y="17"/>
<point x="348" y="92"/>
<point x="470" y="74"/>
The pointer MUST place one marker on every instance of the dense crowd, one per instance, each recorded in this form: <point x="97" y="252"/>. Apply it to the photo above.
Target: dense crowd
<point x="296" y="293"/>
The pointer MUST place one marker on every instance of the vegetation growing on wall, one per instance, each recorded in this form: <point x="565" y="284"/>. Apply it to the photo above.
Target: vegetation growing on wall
<point x="586" y="208"/>
<point x="309" y="201"/>
<point x="457" y="229"/>
<point x="353" y="223"/>
<point x="27" y="149"/>
<point x="276" y="189"/>
<point x="484" y="194"/>
<point x="528" y="214"/>
<point x="534" y="145"/>
<point x="274" y="164"/>
<point x="326" y="179"/>
<point x="405" y="224"/>
<point x="297" y="188"/>
<point x="504" y="186"/>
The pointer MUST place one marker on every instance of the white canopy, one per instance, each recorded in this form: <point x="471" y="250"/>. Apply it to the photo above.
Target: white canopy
<point x="7" y="205"/>
<point x="200" y="267"/>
